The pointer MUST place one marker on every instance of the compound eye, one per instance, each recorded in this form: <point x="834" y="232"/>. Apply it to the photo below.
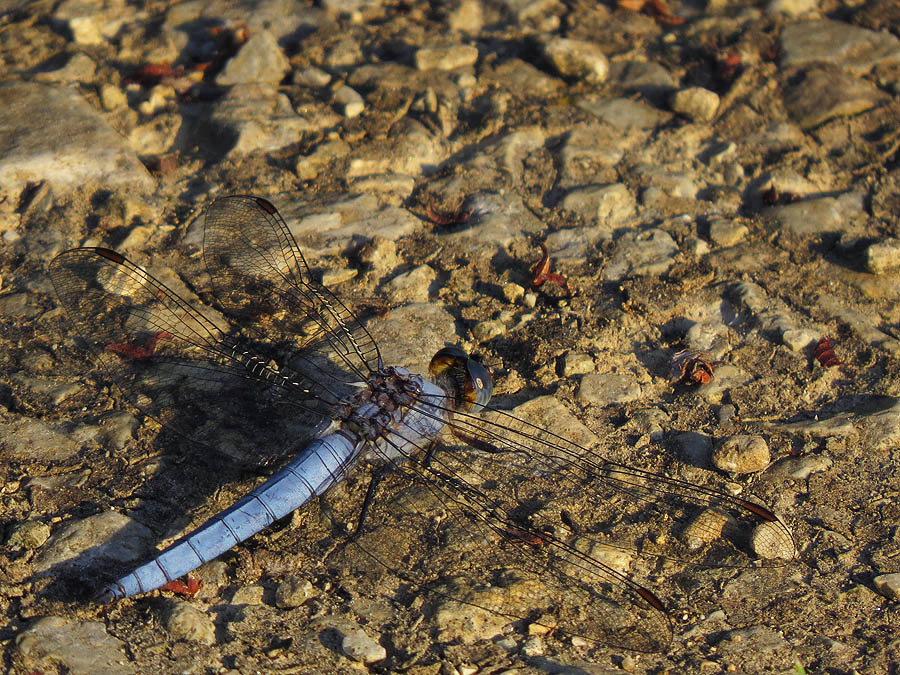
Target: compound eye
<point x="469" y="381"/>
<point x="479" y="385"/>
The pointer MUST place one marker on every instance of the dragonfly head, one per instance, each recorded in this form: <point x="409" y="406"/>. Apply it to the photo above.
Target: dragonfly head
<point x="469" y="381"/>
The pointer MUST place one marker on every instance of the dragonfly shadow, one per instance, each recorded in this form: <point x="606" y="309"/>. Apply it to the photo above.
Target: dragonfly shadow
<point x="141" y="498"/>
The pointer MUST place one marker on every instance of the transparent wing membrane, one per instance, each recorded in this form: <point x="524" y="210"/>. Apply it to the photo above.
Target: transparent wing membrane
<point x="496" y="513"/>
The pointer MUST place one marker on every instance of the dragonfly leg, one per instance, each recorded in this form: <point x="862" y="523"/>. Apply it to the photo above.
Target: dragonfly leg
<point x="372" y="488"/>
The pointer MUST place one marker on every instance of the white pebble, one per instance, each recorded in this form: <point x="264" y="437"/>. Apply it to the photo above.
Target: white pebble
<point x="360" y="647"/>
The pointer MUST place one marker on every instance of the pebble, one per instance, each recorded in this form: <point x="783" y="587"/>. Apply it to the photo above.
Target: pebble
<point x="95" y="542"/>
<point x="293" y="592"/>
<point x="112" y="97"/>
<point x="577" y="59"/>
<point x="32" y="438"/>
<point x="727" y="231"/>
<point x="824" y="94"/>
<point x="603" y="206"/>
<point x="311" y="77"/>
<point x="183" y="621"/>
<point x="693" y="447"/>
<point x="79" y="68"/>
<point x="706" y="528"/>
<point x="30" y="535"/>
<point x="624" y="114"/>
<point x="753" y="639"/>
<point x="883" y="256"/>
<point x="52" y="134"/>
<point x="888" y="585"/>
<point x="696" y="103"/>
<point x="769" y="541"/>
<point x="792" y="7"/>
<point x="648" y="78"/>
<point x="798" y="339"/>
<point x="650" y="252"/>
<point x="55" y="392"/>
<point x="607" y="388"/>
<point x="53" y="642"/>
<point x="822" y="40"/>
<point x="360" y="647"/>
<point x="255" y="117"/>
<point x="577" y="363"/>
<point x="800" y="468"/>
<point x="350" y="102"/>
<point x="466" y="17"/>
<point x="741" y="454"/>
<point x="335" y="277"/>
<point x="448" y="57"/>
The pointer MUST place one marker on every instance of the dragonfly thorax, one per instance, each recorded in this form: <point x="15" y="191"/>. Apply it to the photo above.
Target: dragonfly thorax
<point x="382" y="403"/>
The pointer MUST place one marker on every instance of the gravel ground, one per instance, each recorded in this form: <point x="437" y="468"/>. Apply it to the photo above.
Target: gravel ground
<point x="721" y="179"/>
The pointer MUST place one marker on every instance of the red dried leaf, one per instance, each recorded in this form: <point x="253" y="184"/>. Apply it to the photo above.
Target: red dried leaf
<point x="692" y="368"/>
<point x="137" y="352"/>
<point x="824" y="352"/>
<point x="541" y="272"/>
<point x="179" y="587"/>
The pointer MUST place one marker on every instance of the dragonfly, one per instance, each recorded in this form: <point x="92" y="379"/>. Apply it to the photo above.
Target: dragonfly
<point x="540" y="529"/>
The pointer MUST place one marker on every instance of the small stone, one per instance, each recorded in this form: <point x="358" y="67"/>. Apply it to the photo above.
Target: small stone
<point x="112" y="97"/>
<point x="85" y="31"/>
<point x="650" y="252"/>
<point x="260" y="61"/>
<point x="467" y="17"/>
<point x="846" y="45"/>
<point x="543" y="625"/>
<point x="485" y="330"/>
<point x="694" y="447"/>
<point x="512" y="292"/>
<point x="576" y="363"/>
<point x="352" y="104"/>
<point x="312" y="77"/>
<point x="798" y="339"/>
<point x="51" y="134"/>
<point x="533" y="646"/>
<point x="55" y="644"/>
<point x="826" y="93"/>
<point x="800" y="468"/>
<point x="605" y="206"/>
<point x="293" y="592"/>
<point x="772" y="541"/>
<point x="248" y="595"/>
<point x="726" y="413"/>
<point x="360" y="647"/>
<point x="792" y="7"/>
<point x="107" y="538"/>
<point x="186" y="622"/>
<point x="741" y="454"/>
<point x="335" y="277"/>
<point x="606" y="388"/>
<point x="79" y="68"/>
<point x="623" y="113"/>
<point x="883" y="256"/>
<point x="888" y="585"/>
<point x="31" y="535"/>
<point x="577" y="59"/>
<point x="726" y="231"/>
<point x="697" y="103"/>
<point x="446" y="58"/>
<point x="704" y="529"/>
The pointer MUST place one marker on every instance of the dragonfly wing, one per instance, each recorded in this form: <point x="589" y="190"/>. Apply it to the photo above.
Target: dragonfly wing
<point x="260" y="276"/>
<point x="177" y="363"/>
<point x="544" y="530"/>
